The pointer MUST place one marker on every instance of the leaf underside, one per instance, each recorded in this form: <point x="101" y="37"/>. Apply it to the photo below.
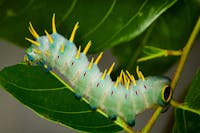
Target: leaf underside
<point x="49" y="98"/>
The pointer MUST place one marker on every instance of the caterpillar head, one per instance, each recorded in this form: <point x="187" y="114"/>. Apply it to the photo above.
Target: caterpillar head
<point x="32" y="56"/>
<point x="165" y="92"/>
<point x="160" y="90"/>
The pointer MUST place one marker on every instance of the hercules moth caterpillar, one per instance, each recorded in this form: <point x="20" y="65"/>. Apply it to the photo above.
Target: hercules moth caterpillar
<point x="124" y="98"/>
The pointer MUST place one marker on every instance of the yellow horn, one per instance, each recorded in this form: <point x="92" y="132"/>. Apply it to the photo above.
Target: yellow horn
<point x="91" y="63"/>
<point x="33" y="42"/>
<point x="124" y="77"/>
<point x="87" y="47"/>
<point x="62" y="48"/>
<point x="128" y="83"/>
<point x="32" y="31"/>
<point x="139" y="73"/>
<point x="98" y="58"/>
<point x="104" y="74"/>
<point x="78" y="52"/>
<point x="120" y="77"/>
<point x="53" y="24"/>
<point x="111" y="68"/>
<point x="74" y="32"/>
<point x="49" y="37"/>
<point x="132" y="78"/>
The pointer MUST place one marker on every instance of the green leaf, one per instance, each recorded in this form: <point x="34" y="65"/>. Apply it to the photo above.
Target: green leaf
<point x="194" y="90"/>
<point x="106" y="23"/>
<point x="170" y="31"/>
<point x="186" y="121"/>
<point x="49" y="98"/>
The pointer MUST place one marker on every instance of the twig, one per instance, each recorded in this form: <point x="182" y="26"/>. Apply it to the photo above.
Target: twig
<point x="152" y="120"/>
<point x="185" y="53"/>
<point x="161" y="54"/>
<point x="177" y="74"/>
<point x="184" y="107"/>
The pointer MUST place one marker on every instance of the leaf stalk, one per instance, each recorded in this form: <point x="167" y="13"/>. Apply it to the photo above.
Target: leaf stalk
<point x="184" y="107"/>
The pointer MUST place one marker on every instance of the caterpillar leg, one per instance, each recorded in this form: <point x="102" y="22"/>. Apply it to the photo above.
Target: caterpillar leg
<point x="41" y="63"/>
<point x="47" y="68"/>
<point x="165" y="108"/>
<point x="130" y="119"/>
<point x="93" y="104"/>
<point x="131" y="123"/>
<point x="93" y="108"/>
<point x="113" y="117"/>
<point x="77" y="96"/>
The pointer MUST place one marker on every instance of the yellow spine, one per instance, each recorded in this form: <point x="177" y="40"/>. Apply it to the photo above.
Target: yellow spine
<point x="98" y="58"/>
<point x="111" y="68"/>
<point x="104" y="74"/>
<point x="131" y="77"/>
<point x="78" y="52"/>
<point x="49" y="37"/>
<point x="53" y="24"/>
<point x="32" y="31"/>
<point x="33" y="42"/>
<point x="62" y="48"/>
<point x="87" y="47"/>
<point x="91" y="63"/>
<point x="74" y="32"/>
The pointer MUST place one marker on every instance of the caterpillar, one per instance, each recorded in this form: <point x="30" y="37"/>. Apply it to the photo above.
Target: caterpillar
<point x="125" y="98"/>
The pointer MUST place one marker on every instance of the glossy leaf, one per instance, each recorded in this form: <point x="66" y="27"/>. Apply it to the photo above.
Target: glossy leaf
<point x="106" y="23"/>
<point x="170" y="31"/>
<point x="186" y="121"/>
<point x="49" y="98"/>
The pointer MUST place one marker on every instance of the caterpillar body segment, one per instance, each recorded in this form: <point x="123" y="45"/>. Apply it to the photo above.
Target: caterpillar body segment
<point x="123" y="98"/>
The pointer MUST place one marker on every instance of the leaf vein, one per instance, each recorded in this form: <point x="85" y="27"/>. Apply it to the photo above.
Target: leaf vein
<point x="28" y="89"/>
<point x="67" y="13"/>
<point x="102" y="20"/>
<point x="129" y="21"/>
<point x="57" y="111"/>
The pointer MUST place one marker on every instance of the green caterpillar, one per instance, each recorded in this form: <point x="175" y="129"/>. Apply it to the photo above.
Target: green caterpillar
<point x="122" y="98"/>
